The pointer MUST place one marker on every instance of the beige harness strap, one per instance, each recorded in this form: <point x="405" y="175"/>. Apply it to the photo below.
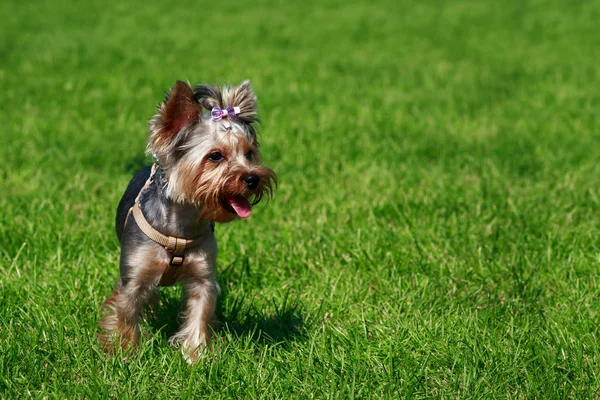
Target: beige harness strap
<point x="146" y="186"/>
<point x="176" y="246"/>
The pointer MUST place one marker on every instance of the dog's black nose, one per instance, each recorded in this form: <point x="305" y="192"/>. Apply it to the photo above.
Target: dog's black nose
<point x="251" y="182"/>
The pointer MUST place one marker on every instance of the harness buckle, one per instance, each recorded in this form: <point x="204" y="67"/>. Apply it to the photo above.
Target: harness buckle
<point x="177" y="246"/>
<point x="176" y="260"/>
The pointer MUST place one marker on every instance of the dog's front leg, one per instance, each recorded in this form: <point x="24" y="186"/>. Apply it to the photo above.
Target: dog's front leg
<point x="140" y="272"/>
<point x="195" y="333"/>
<point x="123" y="309"/>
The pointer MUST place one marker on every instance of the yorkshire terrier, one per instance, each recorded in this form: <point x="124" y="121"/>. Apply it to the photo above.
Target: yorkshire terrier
<point x="208" y="169"/>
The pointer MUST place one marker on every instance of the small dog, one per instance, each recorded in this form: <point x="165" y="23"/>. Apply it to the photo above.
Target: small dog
<point x="208" y="169"/>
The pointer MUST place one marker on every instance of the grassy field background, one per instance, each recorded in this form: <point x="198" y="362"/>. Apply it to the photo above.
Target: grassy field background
<point x="434" y="234"/>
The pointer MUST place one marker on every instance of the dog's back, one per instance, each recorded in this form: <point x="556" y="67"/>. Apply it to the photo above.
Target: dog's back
<point x="133" y="189"/>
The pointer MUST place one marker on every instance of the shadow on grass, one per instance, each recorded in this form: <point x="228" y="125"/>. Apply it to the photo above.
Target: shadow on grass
<point x="239" y="318"/>
<point x="283" y="325"/>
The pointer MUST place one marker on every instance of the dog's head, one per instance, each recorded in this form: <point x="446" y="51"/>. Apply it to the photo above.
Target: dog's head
<point x="205" y="139"/>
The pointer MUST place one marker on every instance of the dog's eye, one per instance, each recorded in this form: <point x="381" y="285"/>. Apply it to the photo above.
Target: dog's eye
<point x="249" y="155"/>
<point x="215" y="157"/>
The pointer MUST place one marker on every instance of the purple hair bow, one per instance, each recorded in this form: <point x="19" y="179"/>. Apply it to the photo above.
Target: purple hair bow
<point x="217" y="114"/>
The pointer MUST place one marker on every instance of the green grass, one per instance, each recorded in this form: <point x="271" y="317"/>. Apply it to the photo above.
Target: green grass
<point x="434" y="234"/>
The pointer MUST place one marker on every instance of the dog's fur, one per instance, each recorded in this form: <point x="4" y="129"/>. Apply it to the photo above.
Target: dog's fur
<point x="207" y="171"/>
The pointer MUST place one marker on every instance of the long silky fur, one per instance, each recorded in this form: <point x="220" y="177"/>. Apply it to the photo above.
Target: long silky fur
<point x="240" y="96"/>
<point x="186" y="196"/>
<point x="182" y="153"/>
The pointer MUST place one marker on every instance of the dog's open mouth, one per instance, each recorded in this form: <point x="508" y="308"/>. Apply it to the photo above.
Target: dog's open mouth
<point x="237" y="204"/>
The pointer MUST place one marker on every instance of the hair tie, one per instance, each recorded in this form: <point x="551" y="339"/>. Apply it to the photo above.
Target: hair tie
<point x="217" y="114"/>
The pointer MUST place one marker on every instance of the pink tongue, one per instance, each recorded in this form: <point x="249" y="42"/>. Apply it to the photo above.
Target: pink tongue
<point x="241" y="206"/>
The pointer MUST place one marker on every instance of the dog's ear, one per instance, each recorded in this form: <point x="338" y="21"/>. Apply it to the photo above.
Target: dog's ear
<point x="179" y="107"/>
<point x="173" y="114"/>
